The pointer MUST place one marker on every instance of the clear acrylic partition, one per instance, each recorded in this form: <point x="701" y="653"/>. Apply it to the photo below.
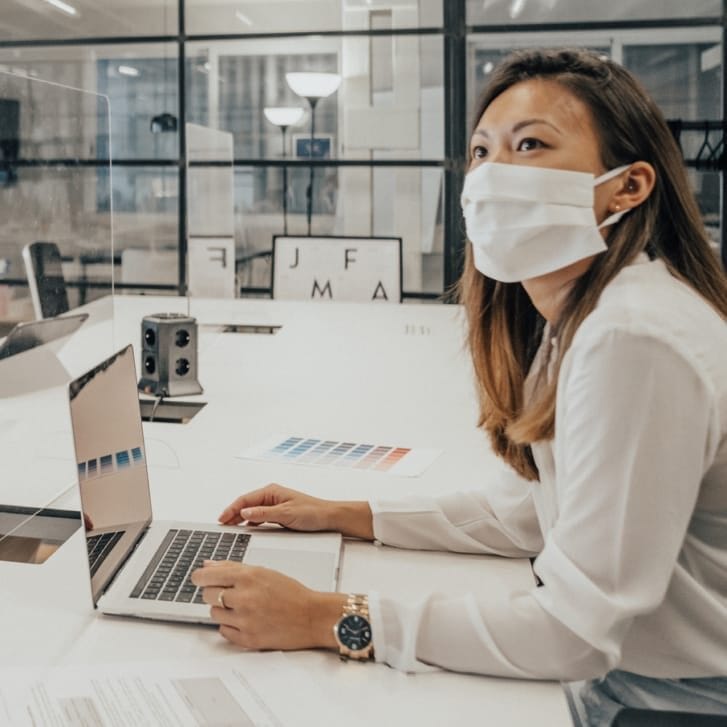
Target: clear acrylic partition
<point x="210" y="213"/>
<point x="212" y="252"/>
<point x="55" y="182"/>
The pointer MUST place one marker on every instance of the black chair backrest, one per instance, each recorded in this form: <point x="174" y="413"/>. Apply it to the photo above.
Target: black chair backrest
<point x="45" y="278"/>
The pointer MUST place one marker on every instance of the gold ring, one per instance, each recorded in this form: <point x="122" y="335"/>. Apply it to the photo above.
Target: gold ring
<point x="221" y="598"/>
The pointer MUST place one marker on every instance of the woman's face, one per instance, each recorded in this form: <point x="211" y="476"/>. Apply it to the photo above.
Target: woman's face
<point x="540" y="123"/>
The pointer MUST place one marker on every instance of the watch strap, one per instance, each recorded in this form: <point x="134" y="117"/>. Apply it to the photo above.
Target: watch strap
<point x="357" y="604"/>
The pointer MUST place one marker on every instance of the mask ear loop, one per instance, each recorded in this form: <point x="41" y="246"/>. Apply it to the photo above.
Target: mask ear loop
<point x="616" y="216"/>
<point x="613" y="219"/>
<point x="610" y="174"/>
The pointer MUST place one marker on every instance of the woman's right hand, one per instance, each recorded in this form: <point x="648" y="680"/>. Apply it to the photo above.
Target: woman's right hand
<point x="298" y="511"/>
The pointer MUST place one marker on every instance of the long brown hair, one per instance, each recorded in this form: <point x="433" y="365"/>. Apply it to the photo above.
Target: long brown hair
<point x="505" y="329"/>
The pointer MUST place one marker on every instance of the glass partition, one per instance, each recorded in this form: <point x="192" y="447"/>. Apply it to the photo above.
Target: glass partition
<point x="56" y="296"/>
<point x="210" y="213"/>
<point x="141" y="82"/>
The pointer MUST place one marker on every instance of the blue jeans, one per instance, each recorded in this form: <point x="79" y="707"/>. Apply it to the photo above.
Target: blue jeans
<point x="595" y="703"/>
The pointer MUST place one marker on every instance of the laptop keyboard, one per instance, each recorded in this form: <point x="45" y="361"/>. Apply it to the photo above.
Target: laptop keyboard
<point x="166" y="578"/>
<point x="99" y="546"/>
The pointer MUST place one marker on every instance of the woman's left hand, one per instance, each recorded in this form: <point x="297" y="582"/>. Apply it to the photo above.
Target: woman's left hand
<point x="264" y="609"/>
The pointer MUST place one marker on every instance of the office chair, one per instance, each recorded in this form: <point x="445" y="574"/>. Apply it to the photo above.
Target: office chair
<point x="654" y="718"/>
<point x="45" y="279"/>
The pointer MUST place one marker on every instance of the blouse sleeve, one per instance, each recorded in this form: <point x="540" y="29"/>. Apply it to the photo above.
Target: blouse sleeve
<point x="636" y="430"/>
<point x="498" y="520"/>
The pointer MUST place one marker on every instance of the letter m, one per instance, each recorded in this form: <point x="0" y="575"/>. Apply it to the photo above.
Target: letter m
<point x="322" y="291"/>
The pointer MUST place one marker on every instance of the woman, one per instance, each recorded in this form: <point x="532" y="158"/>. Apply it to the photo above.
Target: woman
<point x="597" y="329"/>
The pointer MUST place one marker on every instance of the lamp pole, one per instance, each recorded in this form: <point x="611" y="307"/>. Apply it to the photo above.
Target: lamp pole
<point x="283" y="129"/>
<point x="312" y="86"/>
<point x="312" y="100"/>
<point x="284" y="117"/>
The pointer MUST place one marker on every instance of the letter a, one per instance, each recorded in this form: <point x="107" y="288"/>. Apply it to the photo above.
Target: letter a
<point x="383" y="296"/>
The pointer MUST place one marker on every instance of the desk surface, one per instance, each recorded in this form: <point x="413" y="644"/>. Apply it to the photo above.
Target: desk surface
<point x="395" y="374"/>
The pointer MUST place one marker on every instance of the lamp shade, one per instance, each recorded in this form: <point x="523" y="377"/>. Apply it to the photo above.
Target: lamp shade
<point x="313" y="85"/>
<point x="284" y="115"/>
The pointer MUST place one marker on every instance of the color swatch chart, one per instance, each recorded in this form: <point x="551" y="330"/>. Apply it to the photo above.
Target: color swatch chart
<point x="401" y="461"/>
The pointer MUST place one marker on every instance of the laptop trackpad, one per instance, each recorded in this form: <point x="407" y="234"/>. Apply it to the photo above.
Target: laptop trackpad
<point x="314" y="569"/>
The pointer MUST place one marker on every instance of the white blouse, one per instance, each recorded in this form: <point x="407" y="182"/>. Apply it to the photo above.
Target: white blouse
<point x="628" y="520"/>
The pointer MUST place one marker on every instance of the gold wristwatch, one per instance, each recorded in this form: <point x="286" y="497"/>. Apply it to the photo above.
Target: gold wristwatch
<point x="353" y="629"/>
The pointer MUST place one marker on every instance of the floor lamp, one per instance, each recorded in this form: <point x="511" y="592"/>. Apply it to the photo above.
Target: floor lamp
<point x="312" y="87"/>
<point x="284" y="116"/>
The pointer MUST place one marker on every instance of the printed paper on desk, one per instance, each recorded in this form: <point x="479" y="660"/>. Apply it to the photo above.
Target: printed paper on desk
<point x="332" y="452"/>
<point x="243" y="689"/>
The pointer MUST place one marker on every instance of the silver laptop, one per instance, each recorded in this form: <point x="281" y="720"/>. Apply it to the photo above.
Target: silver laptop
<point x="141" y="567"/>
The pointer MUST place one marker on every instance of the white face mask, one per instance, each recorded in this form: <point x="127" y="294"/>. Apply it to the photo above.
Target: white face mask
<point x="527" y="221"/>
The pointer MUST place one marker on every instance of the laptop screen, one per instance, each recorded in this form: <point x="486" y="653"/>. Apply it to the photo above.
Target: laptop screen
<point x="111" y="461"/>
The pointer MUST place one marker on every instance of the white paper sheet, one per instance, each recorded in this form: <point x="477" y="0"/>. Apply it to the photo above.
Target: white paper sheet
<point x="236" y="691"/>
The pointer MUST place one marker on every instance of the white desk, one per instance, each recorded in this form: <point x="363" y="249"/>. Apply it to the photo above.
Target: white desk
<point x="389" y="374"/>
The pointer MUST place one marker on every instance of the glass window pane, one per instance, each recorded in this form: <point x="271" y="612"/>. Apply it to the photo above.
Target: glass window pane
<point x="684" y="79"/>
<point x="51" y="19"/>
<point x="293" y="16"/>
<point x="404" y="202"/>
<point x="681" y="68"/>
<point x="389" y="104"/>
<point x="146" y="225"/>
<point x="484" y="12"/>
<point x="707" y="186"/>
<point x="140" y="80"/>
<point x="50" y="184"/>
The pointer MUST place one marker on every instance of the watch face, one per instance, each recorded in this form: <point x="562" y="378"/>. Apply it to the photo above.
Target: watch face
<point x="354" y="632"/>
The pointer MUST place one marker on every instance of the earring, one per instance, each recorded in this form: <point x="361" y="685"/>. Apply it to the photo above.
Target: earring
<point x="616" y="207"/>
